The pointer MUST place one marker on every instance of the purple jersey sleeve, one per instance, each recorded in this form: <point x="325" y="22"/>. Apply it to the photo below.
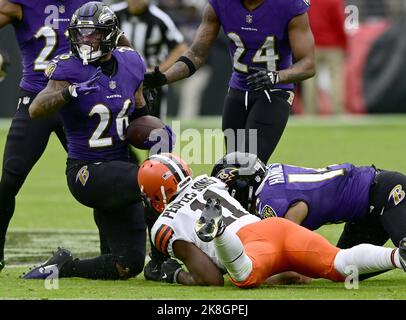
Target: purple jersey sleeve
<point x="296" y="7"/>
<point x="215" y="6"/>
<point x="134" y="63"/>
<point x="68" y="68"/>
<point x="270" y="207"/>
<point x="20" y="2"/>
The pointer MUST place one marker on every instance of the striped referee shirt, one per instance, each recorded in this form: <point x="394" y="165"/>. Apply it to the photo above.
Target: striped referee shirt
<point x="153" y="33"/>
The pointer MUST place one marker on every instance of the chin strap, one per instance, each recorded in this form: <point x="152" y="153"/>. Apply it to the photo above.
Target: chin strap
<point x="84" y="53"/>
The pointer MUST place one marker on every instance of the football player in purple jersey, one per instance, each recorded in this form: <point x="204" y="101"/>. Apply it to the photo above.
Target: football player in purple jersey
<point x="98" y="90"/>
<point x="369" y="200"/>
<point x="271" y="47"/>
<point x="41" y="31"/>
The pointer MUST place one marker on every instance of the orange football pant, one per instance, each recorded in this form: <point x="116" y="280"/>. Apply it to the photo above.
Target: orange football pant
<point x="276" y="245"/>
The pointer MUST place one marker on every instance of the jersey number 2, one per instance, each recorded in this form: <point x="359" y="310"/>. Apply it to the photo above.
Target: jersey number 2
<point x="51" y="42"/>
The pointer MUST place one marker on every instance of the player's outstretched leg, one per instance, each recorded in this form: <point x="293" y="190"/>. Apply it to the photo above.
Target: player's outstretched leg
<point x="54" y="264"/>
<point x="229" y="248"/>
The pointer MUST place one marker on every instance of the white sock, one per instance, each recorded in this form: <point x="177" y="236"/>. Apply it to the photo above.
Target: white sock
<point x="231" y="253"/>
<point x="366" y="258"/>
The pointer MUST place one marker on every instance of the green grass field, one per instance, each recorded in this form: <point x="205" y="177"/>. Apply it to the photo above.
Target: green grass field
<point x="47" y="216"/>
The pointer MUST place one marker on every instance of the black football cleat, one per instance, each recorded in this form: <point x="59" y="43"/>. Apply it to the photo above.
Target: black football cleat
<point x="402" y="253"/>
<point x="152" y="270"/>
<point x="57" y="260"/>
<point x="210" y="224"/>
<point x="2" y="264"/>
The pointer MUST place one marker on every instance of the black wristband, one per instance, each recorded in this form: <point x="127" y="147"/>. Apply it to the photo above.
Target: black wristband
<point x="189" y="63"/>
<point x="140" y="112"/>
<point x="66" y="94"/>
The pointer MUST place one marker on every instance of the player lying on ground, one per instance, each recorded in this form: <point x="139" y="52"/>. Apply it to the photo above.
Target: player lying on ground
<point x="221" y="236"/>
<point x="369" y="200"/>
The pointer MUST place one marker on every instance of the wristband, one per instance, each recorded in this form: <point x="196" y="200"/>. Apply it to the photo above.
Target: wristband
<point x="175" y="275"/>
<point x="140" y="112"/>
<point x="67" y="96"/>
<point x="189" y="63"/>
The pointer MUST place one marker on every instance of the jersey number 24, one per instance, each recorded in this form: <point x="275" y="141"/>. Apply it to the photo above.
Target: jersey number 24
<point x="266" y="54"/>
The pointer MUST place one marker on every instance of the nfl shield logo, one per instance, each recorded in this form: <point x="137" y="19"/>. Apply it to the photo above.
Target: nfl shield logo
<point x="62" y="9"/>
<point x="26" y="100"/>
<point x="112" y="85"/>
<point x="248" y="18"/>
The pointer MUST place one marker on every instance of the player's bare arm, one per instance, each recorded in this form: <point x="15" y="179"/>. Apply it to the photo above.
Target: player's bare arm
<point x="302" y="44"/>
<point x="202" y="270"/>
<point x="139" y="98"/>
<point x="173" y="55"/>
<point x="200" y="48"/>
<point x="9" y="12"/>
<point x="48" y="100"/>
<point x="297" y="212"/>
<point x="58" y="93"/>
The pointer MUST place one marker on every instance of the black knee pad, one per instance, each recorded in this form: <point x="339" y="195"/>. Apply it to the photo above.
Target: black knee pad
<point x="130" y="264"/>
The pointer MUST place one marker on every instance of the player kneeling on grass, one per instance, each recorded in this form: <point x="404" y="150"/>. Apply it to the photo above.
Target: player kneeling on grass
<point x="98" y="90"/>
<point x="205" y="227"/>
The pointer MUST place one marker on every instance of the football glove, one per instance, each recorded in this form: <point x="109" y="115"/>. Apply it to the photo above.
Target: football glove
<point x="151" y="98"/>
<point x="154" y="79"/>
<point x="86" y="87"/>
<point x="262" y="79"/>
<point x="168" y="137"/>
<point x="170" y="270"/>
<point x="4" y="63"/>
<point x="152" y="270"/>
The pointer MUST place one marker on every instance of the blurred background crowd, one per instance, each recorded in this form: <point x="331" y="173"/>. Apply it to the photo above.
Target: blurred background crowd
<point x="360" y="56"/>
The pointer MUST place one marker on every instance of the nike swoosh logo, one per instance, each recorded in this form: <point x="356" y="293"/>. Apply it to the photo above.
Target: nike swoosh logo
<point x="164" y="276"/>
